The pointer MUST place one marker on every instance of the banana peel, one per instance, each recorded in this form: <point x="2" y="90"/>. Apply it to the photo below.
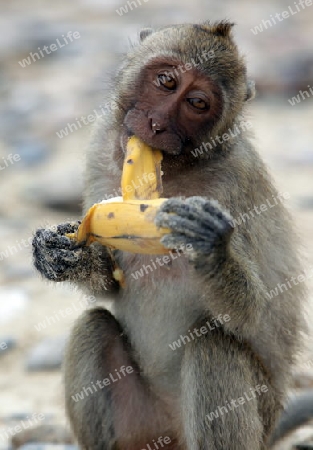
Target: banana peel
<point x="127" y="226"/>
<point x="127" y="223"/>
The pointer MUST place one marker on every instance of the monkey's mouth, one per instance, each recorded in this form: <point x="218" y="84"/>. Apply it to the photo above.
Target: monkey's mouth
<point x="166" y="141"/>
<point x="171" y="148"/>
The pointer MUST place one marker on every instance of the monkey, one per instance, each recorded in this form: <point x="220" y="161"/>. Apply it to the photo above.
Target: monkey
<point x="183" y="87"/>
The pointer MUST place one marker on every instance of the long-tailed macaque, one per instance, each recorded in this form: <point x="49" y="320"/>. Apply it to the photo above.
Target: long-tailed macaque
<point x="197" y="353"/>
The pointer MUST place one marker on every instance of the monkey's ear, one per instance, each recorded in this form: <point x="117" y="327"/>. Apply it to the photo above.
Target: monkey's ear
<point x="250" y="90"/>
<point x="222" y="29"/>
<point x="144" y="33"/>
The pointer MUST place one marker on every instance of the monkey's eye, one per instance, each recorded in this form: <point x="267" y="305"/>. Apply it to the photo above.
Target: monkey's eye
<point x="198" y="103"/>
<point x="167" y="81"/>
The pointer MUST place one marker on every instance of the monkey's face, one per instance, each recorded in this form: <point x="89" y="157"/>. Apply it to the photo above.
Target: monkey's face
<point x="174" y="103"/>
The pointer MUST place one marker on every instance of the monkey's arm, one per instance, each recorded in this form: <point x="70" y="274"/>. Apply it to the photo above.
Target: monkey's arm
<point x="59" y="258"/>
<point x="224" y="271"/>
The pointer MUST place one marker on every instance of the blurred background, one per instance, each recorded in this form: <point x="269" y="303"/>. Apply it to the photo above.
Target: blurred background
<point x="42" y="158"/>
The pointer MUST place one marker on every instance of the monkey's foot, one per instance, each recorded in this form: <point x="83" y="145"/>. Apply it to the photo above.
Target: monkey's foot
<point x="196" y="221"/>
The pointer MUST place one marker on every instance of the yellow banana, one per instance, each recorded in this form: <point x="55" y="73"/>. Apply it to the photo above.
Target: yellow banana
<point x="141" y="177"/>
<point x="127" y="223"/>
<point x="127" y="226"/>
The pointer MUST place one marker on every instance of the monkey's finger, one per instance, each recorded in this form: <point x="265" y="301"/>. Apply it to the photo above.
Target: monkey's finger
<point x="176" y="240"/>
<point x="50" y="239"/>
<point x="214" y="209"/>
<point x="56" y="263"/>
<point x="194" y="223"/>
<point x="69" y="227"/>
<point x="57" y="257"/>
<point x="179" y="206"/>
<point x="52" y="273"/>
<point x="205" y="212"/>
<point x="210" y="206"/>
<point x="195" y="204"/>
<point x="191" y="228"/>
<point x="174" y="204"/>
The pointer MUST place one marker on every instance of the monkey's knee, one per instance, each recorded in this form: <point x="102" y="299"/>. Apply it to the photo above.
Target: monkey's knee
<point x="108" y="404"/>
<point x="221" y="395"/>
<point x="96" y="346"/>
<point x="95" y="361"/>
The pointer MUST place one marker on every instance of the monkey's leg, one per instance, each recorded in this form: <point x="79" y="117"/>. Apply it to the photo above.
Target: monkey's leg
<point x="221" y="389"/>
<point x="109" y="404"/>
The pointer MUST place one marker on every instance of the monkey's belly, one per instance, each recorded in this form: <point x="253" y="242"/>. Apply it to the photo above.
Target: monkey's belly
<point x="155" y="309"/>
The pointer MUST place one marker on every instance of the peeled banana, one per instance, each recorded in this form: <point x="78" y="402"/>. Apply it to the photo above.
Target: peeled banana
<point x="141" y="177"/>
<point x="127" y="223"/>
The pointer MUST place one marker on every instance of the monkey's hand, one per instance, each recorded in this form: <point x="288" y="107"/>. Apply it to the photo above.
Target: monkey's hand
<point x="196" y="221"/>
<point x="226" y="273"/>
<point x="59" y="258"/>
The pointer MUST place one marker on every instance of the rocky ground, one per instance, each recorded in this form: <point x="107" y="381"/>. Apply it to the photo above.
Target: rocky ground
<point x="41" y="180"/>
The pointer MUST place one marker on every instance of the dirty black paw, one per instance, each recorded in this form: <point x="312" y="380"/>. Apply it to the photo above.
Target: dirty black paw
<point x="196" y="221"/>
<point x="55" y="255"/>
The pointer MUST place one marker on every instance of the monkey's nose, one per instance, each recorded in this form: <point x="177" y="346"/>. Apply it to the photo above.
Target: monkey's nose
<point x="156" y="127"/>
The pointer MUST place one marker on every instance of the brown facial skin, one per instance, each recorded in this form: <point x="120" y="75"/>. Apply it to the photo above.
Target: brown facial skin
<point x="173" y="106"/>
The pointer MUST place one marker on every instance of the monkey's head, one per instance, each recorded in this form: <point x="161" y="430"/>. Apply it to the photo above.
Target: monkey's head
<point x="182" y="84"/>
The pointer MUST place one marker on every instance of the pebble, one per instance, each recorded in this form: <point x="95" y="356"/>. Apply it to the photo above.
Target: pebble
<point x="304" y="446"/>
<point x="47" y="355"/>
<point x="31" y="152"/>
<point x="60" y="190"/>
<point x="44" y="435"/>
<point x="6" y="344"/>
<point x="305" y="202"/>
<point x="19" y="416"/>
<point x="17" y="272"/>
